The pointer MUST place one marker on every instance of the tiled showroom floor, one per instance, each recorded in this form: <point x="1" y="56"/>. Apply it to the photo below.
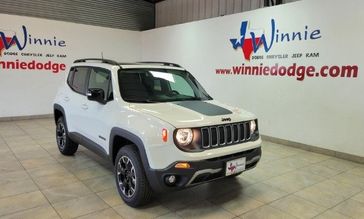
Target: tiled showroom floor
<point x="37" y="182"/>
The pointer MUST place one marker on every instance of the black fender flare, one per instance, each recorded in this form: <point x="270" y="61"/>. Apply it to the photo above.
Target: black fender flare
<point x="59" y="108"/>
<point x="132" y="138"/>
<point x="153" y="178"/>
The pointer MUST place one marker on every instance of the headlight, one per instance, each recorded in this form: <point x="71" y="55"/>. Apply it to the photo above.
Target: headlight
<point x="184" y="137"/>
<point x="253" y="127"/>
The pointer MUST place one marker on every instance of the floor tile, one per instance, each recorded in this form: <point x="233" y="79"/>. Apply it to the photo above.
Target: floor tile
<point x="38" y="162"/>
<point x="77" y="162"/>
<point x="9" y="166"/>
<point x="23" y="146"/>
<point x="260" y="174"/>
<point x="91" y="172"/>
<point x="111" y="197"/>
<point x="264" y="192"/>
<point x="17" y="187"/>
<point x="149" y="211"/>
<point x="328" y="193"/>
<point x="349" y="178"/>
<point x="292" y="162"/>
<point x="359" y="197"/>
<point x="294" y="181"/>
<point x="21" y="202"/>
<point x="47" y="170"/>
<point x="266" y="212"/>
<point x="359" y="171"/>
<point x="287" y="182"/>
<point x="33" y="153"/>
<point x="236" y="203"/>
<point x="104" y="214"/>
<point x="330" y="214"/>
<point x="66" y="192"/>
<point x="311" y="157"/>
<point x="298" y="207"/>
<point x="55" y="180"/>
<point x="204" y="210"/>
<point x="181" y="199"/>
<point x="102" y="183"/>
<point x="169" y="216"/>
<point x="339" y="164"/>
<point x="41" y="212"/>
<point x="78" y="207"/>
<point x="12" y="176"/>
<point x="9" y="132"/>
<point x="22" y="139"/>
<point x="5" y="150"/>
<point x="270" y="156"/>
<point x="321" y="170"/>
<point x="351" y="208"/>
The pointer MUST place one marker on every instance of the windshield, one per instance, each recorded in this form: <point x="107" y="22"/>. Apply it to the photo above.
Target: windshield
<point x="159" y="85"/>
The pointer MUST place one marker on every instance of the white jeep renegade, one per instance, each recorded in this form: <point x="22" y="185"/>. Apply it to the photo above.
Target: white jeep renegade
<point x="155" y="123"/>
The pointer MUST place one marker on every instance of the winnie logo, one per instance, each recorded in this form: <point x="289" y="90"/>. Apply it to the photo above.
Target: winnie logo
<point x="250" y="41"/>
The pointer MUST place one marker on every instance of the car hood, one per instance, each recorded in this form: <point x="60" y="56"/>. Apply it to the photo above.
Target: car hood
<point x="184" y="114"/>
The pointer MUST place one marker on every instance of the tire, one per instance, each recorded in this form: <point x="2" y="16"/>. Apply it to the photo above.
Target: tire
<point x="65" y="145"/>
<point x="130" y="175"/>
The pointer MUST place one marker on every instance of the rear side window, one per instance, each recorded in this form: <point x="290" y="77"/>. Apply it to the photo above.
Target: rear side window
<point x="77" y="79"/>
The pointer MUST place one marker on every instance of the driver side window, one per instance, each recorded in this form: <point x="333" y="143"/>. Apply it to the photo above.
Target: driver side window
<point x="101" y="78"/>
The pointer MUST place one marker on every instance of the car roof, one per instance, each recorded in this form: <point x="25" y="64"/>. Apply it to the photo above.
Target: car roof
<point x="108" y="62"/>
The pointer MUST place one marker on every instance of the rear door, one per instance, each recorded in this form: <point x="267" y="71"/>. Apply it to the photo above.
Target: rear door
<point x="76" y="98"/>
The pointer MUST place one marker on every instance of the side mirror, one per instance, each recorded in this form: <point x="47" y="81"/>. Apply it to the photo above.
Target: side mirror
<point x="96" y="94"/>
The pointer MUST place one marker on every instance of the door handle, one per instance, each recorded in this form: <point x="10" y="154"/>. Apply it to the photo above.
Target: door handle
<point x="84" y="106"/>
<point x="66" y="98"/>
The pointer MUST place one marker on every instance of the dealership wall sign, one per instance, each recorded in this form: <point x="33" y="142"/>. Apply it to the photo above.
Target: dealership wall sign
<point x="253" y="43"/>
<point x="13" y="45"/>
<point x="300" y="70"/>
<point x="250" y="42"/>
<point x="36" y="53"/>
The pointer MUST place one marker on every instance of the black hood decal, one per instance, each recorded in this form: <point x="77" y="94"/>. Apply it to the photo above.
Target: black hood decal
<point x="204" y="108"/>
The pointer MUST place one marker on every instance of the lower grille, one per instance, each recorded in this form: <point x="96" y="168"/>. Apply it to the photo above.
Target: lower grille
<point x="224" y="135"/>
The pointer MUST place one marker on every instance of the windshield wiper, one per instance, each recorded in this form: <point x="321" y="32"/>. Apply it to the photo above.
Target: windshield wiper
<point x="188" y="98"/>
<point x="140" y="101"/>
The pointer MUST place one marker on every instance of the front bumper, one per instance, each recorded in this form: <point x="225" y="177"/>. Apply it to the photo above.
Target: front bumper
<point x="200" y="171"/>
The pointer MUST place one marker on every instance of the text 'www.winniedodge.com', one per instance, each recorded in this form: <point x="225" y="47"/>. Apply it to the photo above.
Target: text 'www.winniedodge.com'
<point x="298" y="71"/>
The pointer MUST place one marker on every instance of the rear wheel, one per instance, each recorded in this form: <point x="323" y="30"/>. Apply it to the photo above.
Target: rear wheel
<point x="131" y="180"/>
<point x="65" y="145"/>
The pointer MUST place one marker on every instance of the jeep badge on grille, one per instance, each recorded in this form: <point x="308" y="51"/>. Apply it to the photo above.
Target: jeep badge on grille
<point x="226" y="119"/>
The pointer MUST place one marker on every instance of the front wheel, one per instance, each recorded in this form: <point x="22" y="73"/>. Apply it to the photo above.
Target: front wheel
<point x="65" y="145"/>
<point x="131" y="181"/>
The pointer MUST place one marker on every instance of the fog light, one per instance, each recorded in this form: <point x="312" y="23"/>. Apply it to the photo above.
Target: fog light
<point x="171" y="179"/>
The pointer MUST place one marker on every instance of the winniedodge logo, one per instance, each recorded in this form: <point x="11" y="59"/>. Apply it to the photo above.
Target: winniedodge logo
<point x="10" y="38"/>
<point x="251" y="42"/>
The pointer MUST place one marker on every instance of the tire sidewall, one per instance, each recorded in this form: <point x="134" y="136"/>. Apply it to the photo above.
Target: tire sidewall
<point x="138" y="174"/>
<point x="61" y="120"/>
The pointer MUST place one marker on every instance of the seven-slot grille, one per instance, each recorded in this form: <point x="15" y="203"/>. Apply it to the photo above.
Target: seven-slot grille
<point x="224" y="135"/>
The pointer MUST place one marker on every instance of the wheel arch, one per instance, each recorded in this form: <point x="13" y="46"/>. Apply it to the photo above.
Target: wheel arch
<point x="120" y="138"/>
<point x="58" y="112"/>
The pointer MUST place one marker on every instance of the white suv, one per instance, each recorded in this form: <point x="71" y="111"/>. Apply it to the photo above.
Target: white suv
<point x="155" y="123"/>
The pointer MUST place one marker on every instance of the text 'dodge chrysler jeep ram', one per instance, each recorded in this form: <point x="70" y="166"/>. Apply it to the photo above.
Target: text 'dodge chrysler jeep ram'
<point x="156" y="124"/>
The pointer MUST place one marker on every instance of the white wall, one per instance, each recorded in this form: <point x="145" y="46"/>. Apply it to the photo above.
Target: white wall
<point x="31" y="92"/>
<point x="324" y="112"/>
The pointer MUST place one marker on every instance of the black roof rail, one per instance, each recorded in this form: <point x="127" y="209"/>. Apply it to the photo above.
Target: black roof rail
<point x="162" y="63"/>
<point x="107" y="61"/>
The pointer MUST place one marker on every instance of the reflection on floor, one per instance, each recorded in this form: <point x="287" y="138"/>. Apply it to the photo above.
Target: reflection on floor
<point x="36" y="181"/>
